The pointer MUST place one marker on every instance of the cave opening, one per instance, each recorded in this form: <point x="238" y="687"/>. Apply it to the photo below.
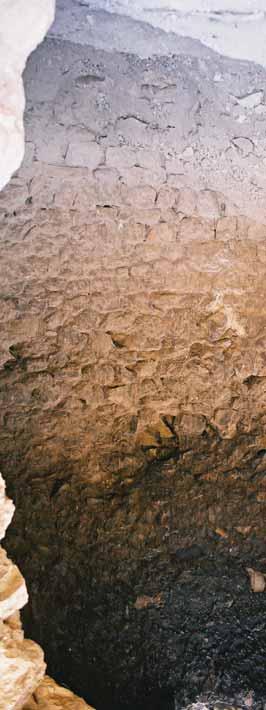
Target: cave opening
<point x="132" y="360"/>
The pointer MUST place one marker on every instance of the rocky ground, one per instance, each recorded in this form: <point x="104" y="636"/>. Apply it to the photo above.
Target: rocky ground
<point x="133" y="432"/>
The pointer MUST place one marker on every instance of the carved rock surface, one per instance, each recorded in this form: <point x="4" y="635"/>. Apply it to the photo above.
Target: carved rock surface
<point x="133" y="376"/>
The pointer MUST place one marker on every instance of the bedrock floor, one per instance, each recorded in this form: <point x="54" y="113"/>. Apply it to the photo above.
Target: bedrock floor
<point x="133" y="372"/>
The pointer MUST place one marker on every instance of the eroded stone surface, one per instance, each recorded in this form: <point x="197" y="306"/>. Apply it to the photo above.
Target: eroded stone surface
<point x="133" y="376"/>
<point x="133" y="347"/>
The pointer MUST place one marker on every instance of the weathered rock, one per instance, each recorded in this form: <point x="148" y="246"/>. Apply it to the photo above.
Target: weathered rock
<point x="7" y="509"/>
<point x="13" y="593"/>
<point x="49" y="695"/>
<point x="21" y="662"/>
<point x="135" y="355"/>
<point x="21" y="666"/>
<point x="133" y="377"/>
<point x="257" y="580"/>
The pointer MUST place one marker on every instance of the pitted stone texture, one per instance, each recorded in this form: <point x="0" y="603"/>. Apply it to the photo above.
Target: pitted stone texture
<point x="111" y="325"/>
<point x="133" y="376"/>
<point x="133" y="347"/>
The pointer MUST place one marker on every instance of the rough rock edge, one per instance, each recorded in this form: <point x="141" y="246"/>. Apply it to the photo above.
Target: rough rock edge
<point x="21" y="662"/>
<point x="20" y="679"/>
<point x="49" y="695"/>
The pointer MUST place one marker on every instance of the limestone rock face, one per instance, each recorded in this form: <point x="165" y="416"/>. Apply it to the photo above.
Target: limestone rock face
<point x="49" y="696"/>
<point x="21" y="662"/>
<point x="22" y="667"/>
<point x="7" y="509"/>
<point x="23" y="25"/>
<point x="13" y="593"/>
<point x="133" y="282"/>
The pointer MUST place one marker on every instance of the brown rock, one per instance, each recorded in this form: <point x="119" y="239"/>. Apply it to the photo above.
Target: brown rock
<point x="13" y="593"/>
<point x="49" y="695"/>
<point x="257" y="580"/>
<point x="145" y="601"/>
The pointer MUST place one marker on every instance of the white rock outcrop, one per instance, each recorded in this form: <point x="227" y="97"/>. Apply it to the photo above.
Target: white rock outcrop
<point x="7" y="509"/>
<point x="21" y="662"/>
<point x="23" y="25"/>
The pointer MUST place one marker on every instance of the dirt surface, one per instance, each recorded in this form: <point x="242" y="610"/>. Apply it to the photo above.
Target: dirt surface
<point x="133" y="435"/>
<point x="236" y="28"/>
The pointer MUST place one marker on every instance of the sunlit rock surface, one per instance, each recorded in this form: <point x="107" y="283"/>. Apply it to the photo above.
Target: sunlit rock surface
<point x="21" y="661"/>
<point x="13" y="594"/>
<point x="49" y="696"/>
<point x="7" y="509"/>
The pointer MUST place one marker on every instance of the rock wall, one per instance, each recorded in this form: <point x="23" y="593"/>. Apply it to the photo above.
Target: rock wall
<point x="138" y="373"/>
<point x="23" y="26"/>
<point x="133" y="374"/>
